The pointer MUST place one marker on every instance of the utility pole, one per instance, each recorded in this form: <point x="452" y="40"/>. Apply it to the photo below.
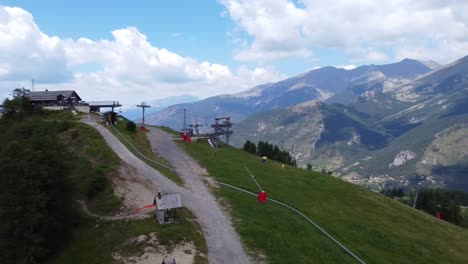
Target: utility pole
<point x="415" y="199"/>
<point x="185" y="123"/>
<point x="143" y="105"/>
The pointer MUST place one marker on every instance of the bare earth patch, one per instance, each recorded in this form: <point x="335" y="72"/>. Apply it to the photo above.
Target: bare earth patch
<point x="151" y="252"/>
<point x="138" y="192"/>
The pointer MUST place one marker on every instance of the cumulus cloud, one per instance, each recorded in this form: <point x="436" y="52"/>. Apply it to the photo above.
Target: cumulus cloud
<point x="367" y="30"/>
<point x="26" y="52"/>
<point x="129" y="67"/>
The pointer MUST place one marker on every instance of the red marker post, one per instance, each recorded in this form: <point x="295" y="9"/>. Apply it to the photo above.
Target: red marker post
<point x="262" y="196"/>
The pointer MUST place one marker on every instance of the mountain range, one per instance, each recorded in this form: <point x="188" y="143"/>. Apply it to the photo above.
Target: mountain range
<point x="134" y="113"/>
<point x="400" y="124"/>
<point x="323" y="84"/>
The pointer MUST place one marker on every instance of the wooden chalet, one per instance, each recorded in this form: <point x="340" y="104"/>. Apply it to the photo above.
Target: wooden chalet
<point x="54" y="98"/>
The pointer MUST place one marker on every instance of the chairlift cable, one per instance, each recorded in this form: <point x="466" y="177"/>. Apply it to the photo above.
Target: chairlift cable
<point x="253" y="178"/>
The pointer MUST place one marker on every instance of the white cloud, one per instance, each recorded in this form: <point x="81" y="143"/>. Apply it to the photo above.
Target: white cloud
<point x="367" y="30"/>
<point x="132" y="68"/>
<point x="26" y="52"/>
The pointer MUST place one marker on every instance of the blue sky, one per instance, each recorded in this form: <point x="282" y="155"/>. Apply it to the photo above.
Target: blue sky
<point x="189" y="28"/>
<point x="198" y="29"/>
<point x="155" y="49"/>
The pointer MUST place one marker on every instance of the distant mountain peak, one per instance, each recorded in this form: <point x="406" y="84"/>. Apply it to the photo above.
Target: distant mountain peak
<point x="430" y="64"/>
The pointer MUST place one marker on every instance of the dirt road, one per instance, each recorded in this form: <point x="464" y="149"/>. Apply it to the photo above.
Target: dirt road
<point x="218" y="230"/>
<point x="224" y="245"/>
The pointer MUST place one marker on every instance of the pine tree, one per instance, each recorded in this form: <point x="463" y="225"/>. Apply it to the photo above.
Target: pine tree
<point x="247" y="145"/>
<point x="276" y="154"/>
<point x="253" y="148"/>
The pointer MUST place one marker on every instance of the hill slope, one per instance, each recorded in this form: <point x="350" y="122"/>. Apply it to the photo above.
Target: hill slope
<point x="324" y="135"/>
<point x="376" y="228"/>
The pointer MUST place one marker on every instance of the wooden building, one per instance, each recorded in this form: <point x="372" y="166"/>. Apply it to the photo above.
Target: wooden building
<point x="54" y="98"/>
<point x="167" y="207"/>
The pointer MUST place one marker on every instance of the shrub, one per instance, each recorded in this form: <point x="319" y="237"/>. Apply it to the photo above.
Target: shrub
<point x="96" y="186"/>
<point x="131" y="126"/>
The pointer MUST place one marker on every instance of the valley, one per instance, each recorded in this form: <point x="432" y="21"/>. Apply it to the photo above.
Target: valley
<point x="372" y="125"/>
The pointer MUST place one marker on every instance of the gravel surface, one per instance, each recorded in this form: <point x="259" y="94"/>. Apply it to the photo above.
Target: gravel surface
<point x="224" y="245"/>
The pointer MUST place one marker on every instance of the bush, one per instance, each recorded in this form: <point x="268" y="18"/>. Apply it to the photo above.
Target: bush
<point x="131" y="126"/>
<point x="63" y="126"/>
<point x="96" y="186"/>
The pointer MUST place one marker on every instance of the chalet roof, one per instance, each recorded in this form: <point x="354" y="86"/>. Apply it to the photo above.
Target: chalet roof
<point x="169" y="201"/>
<point x="50" y="95"/>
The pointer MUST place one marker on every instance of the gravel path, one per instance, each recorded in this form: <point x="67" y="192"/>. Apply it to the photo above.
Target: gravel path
<point x="224" y="245"/>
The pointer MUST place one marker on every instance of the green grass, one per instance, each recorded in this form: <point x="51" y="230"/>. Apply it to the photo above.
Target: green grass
<point x="95" y="242"/>
<point x="141" y="142"/>
<point x="58" y="115"/>
<point x="93" y="161"/>
<point x="376" y="228"/>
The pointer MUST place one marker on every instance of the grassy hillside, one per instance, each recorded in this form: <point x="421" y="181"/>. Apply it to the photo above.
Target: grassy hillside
<point x="46" y="142"/>
<point x="416" y="140"/>
<point x="376" y="228"/>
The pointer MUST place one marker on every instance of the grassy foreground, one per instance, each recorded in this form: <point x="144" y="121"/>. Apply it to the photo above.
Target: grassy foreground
<point x="377" y="229"/>
<point x="95" y="242"/>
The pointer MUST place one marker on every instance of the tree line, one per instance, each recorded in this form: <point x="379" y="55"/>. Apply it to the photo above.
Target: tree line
<point x="265" y="149"/>
<point x="44" y="167"/>
<point x="431" y="201"/>
<point x="446" y="202"/>
<point x="35" y="194"/>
